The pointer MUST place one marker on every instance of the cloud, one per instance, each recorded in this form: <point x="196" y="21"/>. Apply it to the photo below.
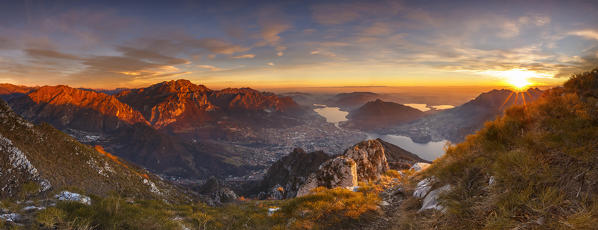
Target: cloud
<point x="538" y="20"/>
<point x="88" y="26"/>
<point x="44" y="53"/>
<point x="132" y="64"/>
<point x="586" y="61"/>
<point x="217" y="46"/>
<point x="323" y="53"/>
<point x="272" y="23"/>
<point x="6" y="43"/>
<point x="340" y="13"/>
<point x="377" y="28"/>
<point x="270" y="31"/>
<point x="589" y="34"/>
<point x="270" y="63"/>
<point x="210" y="67"/>
<point x="151" y="56"/>
<point x="509" y="29"/>
<point x="244" y="56"/>
<point x="334" y="14"/>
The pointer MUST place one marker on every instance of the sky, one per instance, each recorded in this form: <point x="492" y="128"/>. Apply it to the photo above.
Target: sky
<point x="278" y="44"/>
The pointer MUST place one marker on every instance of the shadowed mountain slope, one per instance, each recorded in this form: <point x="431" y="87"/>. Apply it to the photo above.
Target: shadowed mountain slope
<point x="39" y="158"/>
<point x="454" y="124"/>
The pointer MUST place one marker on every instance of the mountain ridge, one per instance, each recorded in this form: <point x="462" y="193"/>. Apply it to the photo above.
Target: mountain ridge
<point x="456" y="123"/>
<point x="54" y="161"/>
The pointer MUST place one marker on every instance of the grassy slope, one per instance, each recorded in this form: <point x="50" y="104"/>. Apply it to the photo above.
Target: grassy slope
<point x="543" y="158"/>
<point x="68" y="164"/>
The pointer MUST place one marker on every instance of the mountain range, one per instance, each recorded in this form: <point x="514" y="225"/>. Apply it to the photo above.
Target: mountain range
<point x="176" y="127"/>
<point x="456" y="123"/>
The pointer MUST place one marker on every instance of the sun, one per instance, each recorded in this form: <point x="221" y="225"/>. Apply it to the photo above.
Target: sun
<point x="518" y="81"/>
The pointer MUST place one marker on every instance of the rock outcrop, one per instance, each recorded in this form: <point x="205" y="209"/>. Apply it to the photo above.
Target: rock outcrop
<point x="399" y="158"/>
<point x="299" y="172"/>
<point x="370" y="159"/>
<point x="364" y="161"/>
<point x="215" y="193"/>
<point x="338" y="172"/>
<point x="429" y="196"/>
<point x="286" y="175"/>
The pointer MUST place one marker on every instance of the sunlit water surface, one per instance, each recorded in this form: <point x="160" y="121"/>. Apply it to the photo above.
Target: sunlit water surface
<point x="428" y="151"/>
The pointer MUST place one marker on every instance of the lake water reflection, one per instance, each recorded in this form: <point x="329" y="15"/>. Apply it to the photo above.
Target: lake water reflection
<point x="332" y="114"/>
<point x="428" y="151"/>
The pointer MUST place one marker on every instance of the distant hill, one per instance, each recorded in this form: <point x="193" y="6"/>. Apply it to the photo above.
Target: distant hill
<point x="39" y="158"/>
<point x="379" y="114"/>
<point x="456" y="123"/>
<point x="9" y="91"/>
<point x="350" y="101"/>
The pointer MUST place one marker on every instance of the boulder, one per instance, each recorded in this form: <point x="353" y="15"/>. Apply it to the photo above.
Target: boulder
<point x="338" y="172"/>
<point x="420" y="166"/>
<point x="216" y="192"/>
<point x="370" y="159"/>
<point x="424" y="191"/>
<point x="431" y="200"/>
<point x="74" y="197"/>
<point x="422" y="188"/>
<point x="286" y="175"/>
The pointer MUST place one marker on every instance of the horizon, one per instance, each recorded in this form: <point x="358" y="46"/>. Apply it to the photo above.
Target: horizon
<point x="297" y="44"/>
<point x="327" y="89"/>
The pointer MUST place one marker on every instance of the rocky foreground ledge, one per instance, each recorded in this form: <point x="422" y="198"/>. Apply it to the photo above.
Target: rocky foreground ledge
<point x="299" y="173"/>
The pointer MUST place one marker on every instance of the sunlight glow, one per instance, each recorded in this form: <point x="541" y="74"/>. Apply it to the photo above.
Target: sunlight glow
<point x="519" y="79"/>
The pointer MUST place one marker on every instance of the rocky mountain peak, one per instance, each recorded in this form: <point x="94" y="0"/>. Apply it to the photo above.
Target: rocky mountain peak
<point x="364" y="161"/>
<point x="370" y="159"/>
<point x="179" y="86"/>
<point x="71" y="105"/>
<point x="79" y="102"/>
<point x="292" y="171"/>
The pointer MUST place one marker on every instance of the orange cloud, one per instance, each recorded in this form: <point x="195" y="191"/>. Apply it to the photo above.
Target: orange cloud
<point x="244" y="56"/>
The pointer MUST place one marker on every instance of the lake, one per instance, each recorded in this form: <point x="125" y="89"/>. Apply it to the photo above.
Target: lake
<point x="332" y="114"/>
<point x="428" y="151"/>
